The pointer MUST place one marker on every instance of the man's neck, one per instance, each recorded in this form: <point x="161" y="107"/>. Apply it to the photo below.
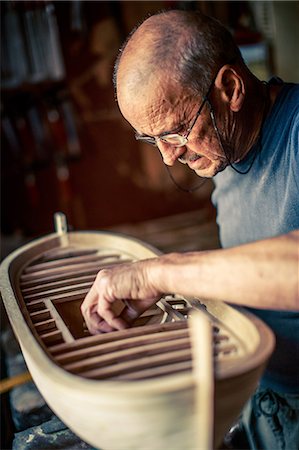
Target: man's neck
<point x="259" y="102"/>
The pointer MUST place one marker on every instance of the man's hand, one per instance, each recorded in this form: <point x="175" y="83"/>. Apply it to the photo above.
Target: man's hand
<point x="118" y="296"/>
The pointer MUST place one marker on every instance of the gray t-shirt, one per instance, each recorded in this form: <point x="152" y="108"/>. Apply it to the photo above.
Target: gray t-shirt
<point x="265" y="203"/>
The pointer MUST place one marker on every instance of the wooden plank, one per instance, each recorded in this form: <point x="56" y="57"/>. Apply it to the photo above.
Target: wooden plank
<point x="64" y="252"/>
<point x="35" y="306"/>
<point x="74" y="260"/>
<point x="153" y="372"/>
<point x="107" y="347"/>
<point x="53" y="337"/>
<point x="58" y="284"/>
<point x="45" y="326"/>
<point x="222" y="351"/>
<point x="129" y="354"/>
<point x="61" y="326"/>
<point x="10" y="383"/>
<point x="151" y="312"/>
<point x="39" y="316"/>
<point x="59" y="277"/>
<point x="203" y="373"/>
<point x="128" y="343"/>
<point x="56" y="291"/>
<point x="119" y="353"/>
<point x="102" y="338"/>
<point x="173" y="313"/>
<point x="31" y="278"/>
<point x="138" y="364"/>
<point x="66" y="297"/>
<point x="58" y="270"/>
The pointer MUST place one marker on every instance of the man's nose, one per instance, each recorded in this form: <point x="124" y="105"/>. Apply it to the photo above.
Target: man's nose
<point x="170" y="153"/>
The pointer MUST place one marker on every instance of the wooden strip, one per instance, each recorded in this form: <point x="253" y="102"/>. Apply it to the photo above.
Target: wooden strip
<point x="129" y="354"/>
<point x="57" y="291"/>
<point x="75" y="355"/>
<point x="202" y="355"/>
<point x="224" y="350"/>
<point x="45" y="326"/>
<point x="116" y="336"/>
<point x="58" y="284"/>
<point x="173" y="301"/>
<point x="57" y="270"/>
<point x="59" y="277"/>
<point x="60" y="225"/>
<point x="62" y="263"/>
<point x="154" y="372"/>
<point x="52" y="337"/>
<point x="218" y="338"/>
<point x="164" y="305"/>
<point x="64" y="252"/>
<point x="70" y="296"/>
<point x="65" y="332"/>
<point x="35" y="306"/>
<point x="138" y="364"/>
<point x="31" y="278"/>
<point x="109" y="347"/>
<point x="9" y="383"/>
<point x="151" y="312"/>
<point x="39" y="316"/>
<point x="67" y="297"/>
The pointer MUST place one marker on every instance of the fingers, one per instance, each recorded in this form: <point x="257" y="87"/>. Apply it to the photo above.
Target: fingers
<point x="111" y="311"/>
<point x="109" y="308"/>
<point x="102" y="308"/>
<point x="93" y="321"/>
<point x="101" y="312"/>
<point x="96" y="325"/>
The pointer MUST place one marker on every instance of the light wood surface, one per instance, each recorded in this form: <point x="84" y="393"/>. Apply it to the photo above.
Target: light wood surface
<point x="146" y="382"/>
<point x="203" y="370"/>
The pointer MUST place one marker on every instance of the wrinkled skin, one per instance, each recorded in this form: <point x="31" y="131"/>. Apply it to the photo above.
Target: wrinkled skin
<point x="118" y="296"/>
<point x="165" y="112"/>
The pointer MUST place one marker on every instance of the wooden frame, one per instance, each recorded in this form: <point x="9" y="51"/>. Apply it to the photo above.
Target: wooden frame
<point x="152" y="386"/>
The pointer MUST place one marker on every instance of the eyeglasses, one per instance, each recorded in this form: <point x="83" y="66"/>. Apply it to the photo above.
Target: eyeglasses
<point x="175" y="139"/>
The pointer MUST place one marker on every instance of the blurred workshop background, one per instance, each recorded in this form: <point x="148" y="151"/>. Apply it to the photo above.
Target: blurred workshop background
<point x="65" y="146"/>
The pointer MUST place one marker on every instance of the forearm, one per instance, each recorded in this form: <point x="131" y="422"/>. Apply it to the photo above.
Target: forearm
<point x="262" y="274"/>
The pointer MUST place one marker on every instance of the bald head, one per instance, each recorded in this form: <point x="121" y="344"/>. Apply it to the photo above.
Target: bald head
<point x="177" y="47"/>
<point x="151" y="49"/>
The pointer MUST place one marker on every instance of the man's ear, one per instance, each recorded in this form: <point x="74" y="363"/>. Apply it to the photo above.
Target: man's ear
<point x="231" y="87"/>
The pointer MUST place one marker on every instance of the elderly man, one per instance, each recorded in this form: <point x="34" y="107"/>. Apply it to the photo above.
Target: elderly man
<point x="183" y="86"/>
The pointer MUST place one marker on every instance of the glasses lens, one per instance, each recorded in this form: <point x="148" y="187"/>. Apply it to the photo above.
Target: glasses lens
<point x="174" y="139"/>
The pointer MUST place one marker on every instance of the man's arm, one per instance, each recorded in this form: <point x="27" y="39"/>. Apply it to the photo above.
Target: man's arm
<point x="262" y="274"/>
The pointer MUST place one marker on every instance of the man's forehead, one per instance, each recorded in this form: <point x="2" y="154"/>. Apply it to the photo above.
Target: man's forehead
<point x="157" y="113"/>
<point x="153" y="117"/>
<point x="157" y="88"/>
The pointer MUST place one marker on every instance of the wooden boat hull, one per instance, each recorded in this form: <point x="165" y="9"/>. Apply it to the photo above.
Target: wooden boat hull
<point x="152" y="413"/>
<point x="120" y="418"/>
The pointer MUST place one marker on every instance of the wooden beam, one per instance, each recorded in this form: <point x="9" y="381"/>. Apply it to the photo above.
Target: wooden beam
<point x="9" y="383"/>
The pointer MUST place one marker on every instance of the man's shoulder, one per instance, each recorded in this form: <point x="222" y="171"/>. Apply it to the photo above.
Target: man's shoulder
<point x="285" y="111"/>
<point x="290" y="94"/>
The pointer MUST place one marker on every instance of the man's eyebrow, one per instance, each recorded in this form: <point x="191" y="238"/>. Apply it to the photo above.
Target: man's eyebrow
<point x="174" y="130"/>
